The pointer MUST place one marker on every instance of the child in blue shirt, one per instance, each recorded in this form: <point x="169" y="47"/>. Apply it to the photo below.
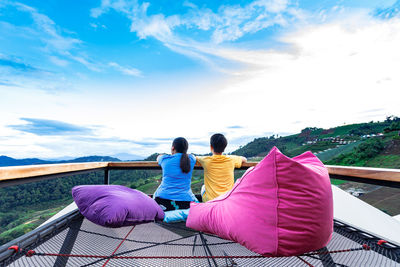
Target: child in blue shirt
<point x="174" y="191"/>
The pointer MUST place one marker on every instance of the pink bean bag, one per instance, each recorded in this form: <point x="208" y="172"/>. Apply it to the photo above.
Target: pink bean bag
<point x="282" y="207"/>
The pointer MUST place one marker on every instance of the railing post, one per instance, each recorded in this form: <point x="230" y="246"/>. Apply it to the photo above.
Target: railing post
<point x="107" y="176"/>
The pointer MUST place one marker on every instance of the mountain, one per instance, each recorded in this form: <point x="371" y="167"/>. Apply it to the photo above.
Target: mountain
<point x="373" y="144"/>
<point x="325" y="143"/>
<point x="90" y="159"/>
<point x="127" y="156"/>
<point x="58" y="158"/>
<point x="152" y="157"/>
<point x="8" y="161"/>
<point x="328" y="142"/>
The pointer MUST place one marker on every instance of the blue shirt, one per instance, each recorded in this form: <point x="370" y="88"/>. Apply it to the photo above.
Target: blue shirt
<point x="175" y="184"/>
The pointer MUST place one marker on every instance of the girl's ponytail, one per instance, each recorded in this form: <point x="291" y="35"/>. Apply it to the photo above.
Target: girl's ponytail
<point x="181" y="146"/>
<point x="185" y="163"/>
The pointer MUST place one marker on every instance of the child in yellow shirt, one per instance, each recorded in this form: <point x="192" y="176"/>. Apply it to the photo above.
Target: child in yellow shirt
<point x="218" y="168"/>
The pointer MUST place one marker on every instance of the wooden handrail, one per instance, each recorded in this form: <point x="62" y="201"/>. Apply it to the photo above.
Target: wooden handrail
<point x="21" y="172"/>
<point x="392" y="175"/>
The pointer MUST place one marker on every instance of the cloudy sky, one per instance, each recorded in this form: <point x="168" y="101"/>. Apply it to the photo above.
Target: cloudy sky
<point x="104" y="77"/>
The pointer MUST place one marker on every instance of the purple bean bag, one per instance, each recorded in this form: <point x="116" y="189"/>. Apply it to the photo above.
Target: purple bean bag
<point x="115" y="205"/>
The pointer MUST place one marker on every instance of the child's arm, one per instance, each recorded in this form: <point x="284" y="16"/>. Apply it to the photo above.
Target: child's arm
<point x="199" y="160"/>
<point x="238" y="160"/>
<point x="159" y="157"/>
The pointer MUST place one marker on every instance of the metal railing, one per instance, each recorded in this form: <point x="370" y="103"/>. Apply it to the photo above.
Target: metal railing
<point x="25" y="174"/>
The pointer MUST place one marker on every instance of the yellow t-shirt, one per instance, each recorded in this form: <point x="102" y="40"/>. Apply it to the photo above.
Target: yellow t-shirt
<point x="218" y="174"/>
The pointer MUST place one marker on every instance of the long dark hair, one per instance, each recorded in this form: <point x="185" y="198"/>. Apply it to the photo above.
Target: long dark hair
<point x="181" y="146"/>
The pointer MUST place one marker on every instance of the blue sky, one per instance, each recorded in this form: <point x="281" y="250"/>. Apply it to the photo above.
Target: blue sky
<point x="105" y="77"/>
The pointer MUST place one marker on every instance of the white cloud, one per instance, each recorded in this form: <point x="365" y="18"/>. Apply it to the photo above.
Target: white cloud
<point x="126" y="70"/>
<point x="325" y="75"/>
<point x="121" y="5"/>
<point x="189" y="4"/>
<point x="62" y="49"/>
<point x="86" y="61"/>
<point x="53" y="38"/>
<point x="58" y="61"/>
<point x="97" y="26"/>
<point x="337" y="69"/>
<point x="230" y="23"/>
<point x="274" y="6"/>
<point x="233" y="22"/>
<point x="155" y="26"/>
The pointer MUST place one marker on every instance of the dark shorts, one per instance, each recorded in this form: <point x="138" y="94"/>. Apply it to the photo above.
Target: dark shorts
<point x="167" y="204"/>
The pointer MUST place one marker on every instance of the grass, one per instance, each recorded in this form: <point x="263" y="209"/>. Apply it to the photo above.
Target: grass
<point x="385" y="161"/>
<point x="343" y="130"/>
<point x="148" y="188"/>
<point x="27" y="221"/>
<point x="338" y="182"/>
<point x="196" y="187"/>
<point x="320" y="146"/>
<point x="334" y="152"/>
<point x="23" y="228"/>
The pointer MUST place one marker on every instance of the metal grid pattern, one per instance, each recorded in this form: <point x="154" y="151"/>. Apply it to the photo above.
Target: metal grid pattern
<point x="165" y="240"/>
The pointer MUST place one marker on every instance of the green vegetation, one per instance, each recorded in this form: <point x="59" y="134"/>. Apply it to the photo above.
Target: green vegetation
<point x="395" y="124"/>
<point x="337" y="182"/>
<point x="149" y="188"/>
<point x="385" y="161"/>
<point x="330" y="154"/>
<point x="152" y="157"/>
<point x="320" y="146"/>
<point x="261" y="146"/>
<point x="360" y="154"/>
<point x="15" y="232"/>
<point x="134" y="178"/>
<point x="359" y="145"/>
<point x="36" y="202"/>
<point x="44" y="192"/>
<point x="293" y="145"/>
<point x="20" y="220"/>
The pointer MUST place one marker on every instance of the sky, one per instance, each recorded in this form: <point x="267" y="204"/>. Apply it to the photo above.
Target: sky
<point x="103" y="77"/>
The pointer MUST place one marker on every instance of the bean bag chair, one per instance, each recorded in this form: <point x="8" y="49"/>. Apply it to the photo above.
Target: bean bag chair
<point x="282" y="207"/>
<point x="115" y="205"/>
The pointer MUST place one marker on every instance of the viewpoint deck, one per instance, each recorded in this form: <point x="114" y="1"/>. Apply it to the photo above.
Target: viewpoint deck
<point x="72" y="240"/>
<point x="78" y="242"/>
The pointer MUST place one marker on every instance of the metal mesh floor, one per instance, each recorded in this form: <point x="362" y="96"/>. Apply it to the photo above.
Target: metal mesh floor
<point x="158" y="244"/>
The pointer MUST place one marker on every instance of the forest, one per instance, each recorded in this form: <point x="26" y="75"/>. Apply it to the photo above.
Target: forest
<point x="25" y="203"/>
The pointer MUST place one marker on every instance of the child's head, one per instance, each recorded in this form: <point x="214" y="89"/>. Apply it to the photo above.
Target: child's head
<point x="180" y="145"/>
<point x="218" y="142"/>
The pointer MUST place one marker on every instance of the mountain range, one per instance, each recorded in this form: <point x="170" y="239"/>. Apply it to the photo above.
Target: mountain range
<point x="327" y="144"/>
<point x="8" y="161"/>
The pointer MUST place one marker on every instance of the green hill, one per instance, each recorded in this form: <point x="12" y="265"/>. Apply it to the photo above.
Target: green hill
<point x="373" y="144"/>
<point x="334" y="152"/>
<point x="327" y="144"/>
